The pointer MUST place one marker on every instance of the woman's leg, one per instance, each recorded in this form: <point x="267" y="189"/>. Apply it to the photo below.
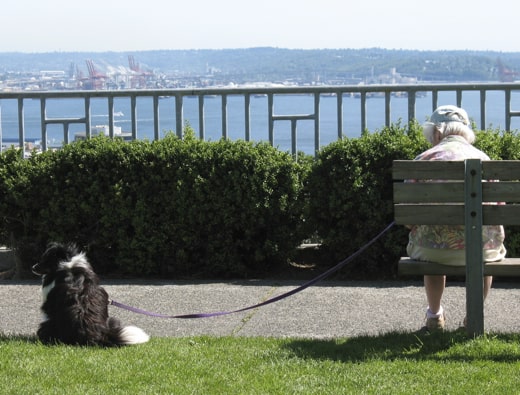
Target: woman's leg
<point x="434" y="287"/>
<point x="488" y="280"/>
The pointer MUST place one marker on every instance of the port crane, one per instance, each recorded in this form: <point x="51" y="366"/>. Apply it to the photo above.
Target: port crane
<point x="139" y="77"/>
<point x="96" y="79"/>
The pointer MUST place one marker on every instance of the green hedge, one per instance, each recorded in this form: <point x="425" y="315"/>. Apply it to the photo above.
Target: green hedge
<point x="350" y="190"/>
<point x="170" y="207"/>
<point x="189" y="208"/>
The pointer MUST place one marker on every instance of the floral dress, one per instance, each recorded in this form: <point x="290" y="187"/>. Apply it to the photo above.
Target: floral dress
<point x="445" y="243"/>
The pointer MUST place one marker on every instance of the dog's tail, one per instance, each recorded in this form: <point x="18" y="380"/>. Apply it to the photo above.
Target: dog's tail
<point x="128" y="335"/>
<point x="132" y="335"/>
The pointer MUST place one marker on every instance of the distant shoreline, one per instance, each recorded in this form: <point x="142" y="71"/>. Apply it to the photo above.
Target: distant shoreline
<point x="301" y="66"/>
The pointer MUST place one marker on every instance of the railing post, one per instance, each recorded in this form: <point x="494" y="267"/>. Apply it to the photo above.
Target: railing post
<point x="178" y="115"/>
<point x="21" y="128"/>
<point x="156" y="133"/>
<point x="482" y="109"/>
<point x="202" y="134"/>
<point x="507" y="106"/>
<point x="339" y="109"/>
<point x="316" y="125"/>
<point x="473" y="243"/>
<point x="270" y="115"/>
<point x="411" y="106"/>
<point x="247" y="115"/>
<point x="224" y="116"/>
<point x="363" y="111"/>
<point x="293" y="137"/>
<point x="133" y="115"/>
<point x="43" y="118"/>
<point x="111" y="116"/>
<point x="435" y="99"/>
<point x="88" y="114"/>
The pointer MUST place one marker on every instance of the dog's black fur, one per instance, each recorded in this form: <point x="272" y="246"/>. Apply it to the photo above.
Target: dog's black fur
<point x="74" y="305"/>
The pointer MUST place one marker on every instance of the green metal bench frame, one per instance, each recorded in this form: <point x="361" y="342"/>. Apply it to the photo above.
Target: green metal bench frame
<point x="462" y="197"/>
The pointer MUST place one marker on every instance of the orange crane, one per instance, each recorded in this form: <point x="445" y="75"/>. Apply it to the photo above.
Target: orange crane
<point x="96" y="79"/>
<point x="139" y="77"/>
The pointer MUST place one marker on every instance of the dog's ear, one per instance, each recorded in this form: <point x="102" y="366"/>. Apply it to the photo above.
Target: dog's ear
<point x="54" y="254"/>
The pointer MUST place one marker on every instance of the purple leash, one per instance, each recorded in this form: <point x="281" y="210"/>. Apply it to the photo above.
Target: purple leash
<point x="268" y="301"/>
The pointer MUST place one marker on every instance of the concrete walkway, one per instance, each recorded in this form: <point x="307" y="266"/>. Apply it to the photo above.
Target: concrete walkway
<point x="326" y="310"/>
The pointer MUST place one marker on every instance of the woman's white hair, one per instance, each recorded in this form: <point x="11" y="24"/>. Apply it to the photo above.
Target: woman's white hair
<point x="449" y="121"/>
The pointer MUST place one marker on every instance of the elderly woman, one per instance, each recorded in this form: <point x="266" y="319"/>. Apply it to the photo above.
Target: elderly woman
<point x="451" y="136"/>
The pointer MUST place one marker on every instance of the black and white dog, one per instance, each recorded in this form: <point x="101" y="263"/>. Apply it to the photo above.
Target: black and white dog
<point x="74" y="305"/>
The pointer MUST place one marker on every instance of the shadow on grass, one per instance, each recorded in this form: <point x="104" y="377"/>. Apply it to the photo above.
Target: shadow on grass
<point x="447" y="346"/>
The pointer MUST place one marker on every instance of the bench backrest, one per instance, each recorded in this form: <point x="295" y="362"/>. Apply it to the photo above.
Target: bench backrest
<point x="460" y="192"/>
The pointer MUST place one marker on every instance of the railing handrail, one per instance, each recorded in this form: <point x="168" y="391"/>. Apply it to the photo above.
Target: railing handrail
<point x="363" y="91"/>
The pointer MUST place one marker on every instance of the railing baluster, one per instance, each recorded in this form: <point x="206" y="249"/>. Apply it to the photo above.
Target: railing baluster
<point x="387" y="108"/>
<point x="339" y="109"/>
<point x="411" y="106"/>
<point x="293" y="136"/>
<point x="88" y="116"/>
<point x="156" y="133"/>
<point x="43" y="119"/>
<point x="270" y="113"/>
<point x="316" y="124"/>
<point x="201" y="118"/>
<point x="224" y="116"/>
<point x="482" y="109"/>
<point x="178" y="114"/>
<point x="66" y="132"/>
<point x="507" y="106"/>
<point x="111" y="116"/>
<point x="435" y="99"/>
<point x="247" y="116"/>
<point x="363" y="111"/>
<point x="133" y="115"/>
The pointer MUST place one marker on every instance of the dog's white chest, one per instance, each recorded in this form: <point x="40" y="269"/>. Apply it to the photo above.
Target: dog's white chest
<point x="46" y="290"/>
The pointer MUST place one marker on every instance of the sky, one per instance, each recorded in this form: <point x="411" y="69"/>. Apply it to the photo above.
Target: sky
<point x="136" y="25"/>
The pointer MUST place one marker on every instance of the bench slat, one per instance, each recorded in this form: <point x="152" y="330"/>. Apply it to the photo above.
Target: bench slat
<point x="504" y="170"/>
<point x="503" y="191"/>
<point x="427" y="170"/>
<point x="442" y="214"/>
<point x="429" y="192"/>
<point x="508" y="267"/>
<point x="453" y="214"/>
<point x="440" y="192"/>
<point x="508" y="214"/>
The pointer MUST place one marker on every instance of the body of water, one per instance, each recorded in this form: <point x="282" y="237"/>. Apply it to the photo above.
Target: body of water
<point x="283" y="105"/>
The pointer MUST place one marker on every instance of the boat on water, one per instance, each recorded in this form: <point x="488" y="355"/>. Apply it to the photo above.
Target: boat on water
<point x="103" y="130"/>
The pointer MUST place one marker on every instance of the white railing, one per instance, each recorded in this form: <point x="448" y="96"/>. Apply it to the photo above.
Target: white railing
<point x="388" y="93"/>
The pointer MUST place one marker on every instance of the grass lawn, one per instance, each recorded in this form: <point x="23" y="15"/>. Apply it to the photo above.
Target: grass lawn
<point x="396" y="363"/>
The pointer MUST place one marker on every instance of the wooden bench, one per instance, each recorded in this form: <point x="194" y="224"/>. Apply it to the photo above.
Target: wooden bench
<point x="461" y="200"/>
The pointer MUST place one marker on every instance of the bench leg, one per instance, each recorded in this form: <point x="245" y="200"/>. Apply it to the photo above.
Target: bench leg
<point x="475" y="303"/>
<point x="473" y="241"/>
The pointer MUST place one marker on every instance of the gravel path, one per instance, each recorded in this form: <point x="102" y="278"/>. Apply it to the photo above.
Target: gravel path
<point x="326" y="310"/>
